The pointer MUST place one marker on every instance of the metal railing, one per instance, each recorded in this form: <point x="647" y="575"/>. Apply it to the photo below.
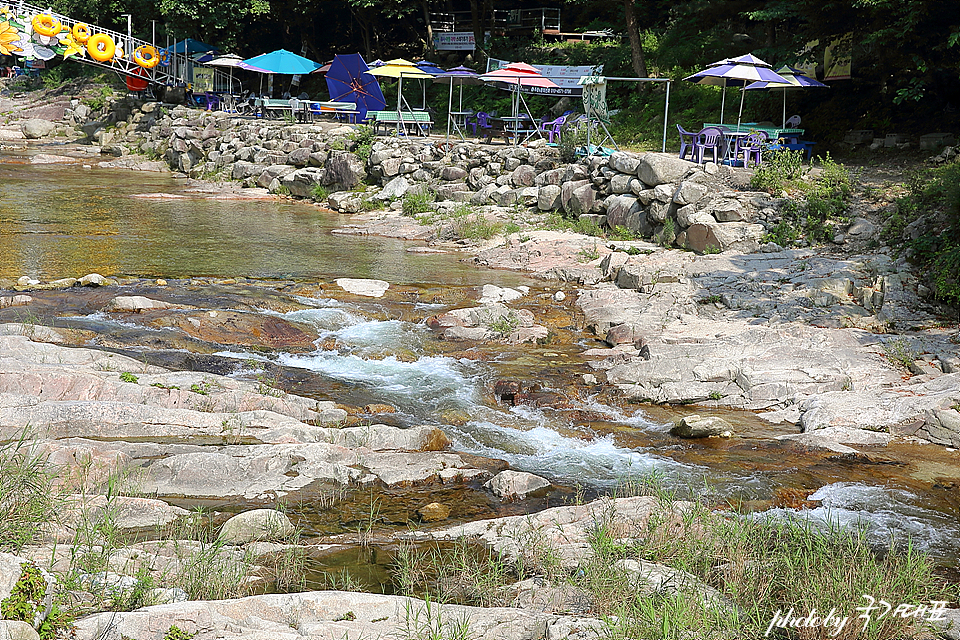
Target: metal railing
<point x="543" y="19"/>
<point x="178" y="69"/>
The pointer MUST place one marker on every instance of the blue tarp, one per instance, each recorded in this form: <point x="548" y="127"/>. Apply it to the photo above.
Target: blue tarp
<point x="191" y="46"/>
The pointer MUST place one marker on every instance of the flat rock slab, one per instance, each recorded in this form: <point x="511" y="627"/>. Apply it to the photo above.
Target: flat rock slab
<point x="362" y="287"/>
<point x="327" y="615"/>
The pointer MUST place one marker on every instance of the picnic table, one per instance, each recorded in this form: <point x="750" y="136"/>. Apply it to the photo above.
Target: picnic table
<point x="338" y="110"/>
<point x="779" y="137"/>
<point x="411" y="121"/>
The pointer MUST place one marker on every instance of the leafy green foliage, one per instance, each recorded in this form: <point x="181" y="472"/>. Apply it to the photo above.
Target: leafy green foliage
<point x="363" y="139"/>
<point x="417" y="201"/>
<point x="27" y="498"/>
<point x="934" y="195"/>
<point x="126" y="376"/>
<point x="26" y="597"/>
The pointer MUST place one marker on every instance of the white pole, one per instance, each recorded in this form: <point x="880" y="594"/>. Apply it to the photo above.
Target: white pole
<point x="666" y="114"/>
<point x="723" y="100"/>
<point x="740" y="115"/>
<point x="784" y="125"/>
<point x="399" y="94"/>
<point x="449" y="109"/>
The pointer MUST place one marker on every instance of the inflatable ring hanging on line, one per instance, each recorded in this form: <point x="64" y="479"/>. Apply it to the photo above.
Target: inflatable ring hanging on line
<point x="101" y="47"/>
<point x="164" y="58"/>
<point x="46" y="25"/>
<point x="81" y="32"/>
<point x="146" y="56"/>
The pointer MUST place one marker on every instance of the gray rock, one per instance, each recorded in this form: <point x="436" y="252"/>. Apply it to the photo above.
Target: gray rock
<point x="453" y="173"/>
<point x="523" y="176"/>
<point x="515" y="485"/>
<point x="694" y="426"/>
<point x="620" y="209"/>
<point x="243" y="169"/>
<point x="273" y="172"/>
<point x="345" y="202"/>
<point x="862" y="228"/>
<point x="582" y="198"/>
<point x="299" y="157"/>
<point x="136" y="304"/>
<point x="36" y="128"/>
<point x="302" y="182"/>
<point x="548" y="198"/>
<point x="739" y="236"/>
<point x="662" y="168"/>
<point x="394" y="189"/>
<point x="689" y="193"/>
<point x="624" y="162"/>
<point x="92" y="280"/>
<point x="343" y="170"/>
<point x="259" y="524"/>
<point x="17" y="630"/>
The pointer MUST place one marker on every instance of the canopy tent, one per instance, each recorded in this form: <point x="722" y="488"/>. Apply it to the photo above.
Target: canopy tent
<point x="736" y="72"/>
<point x="460" y="75"/>
<point x="518" y="75"/>
<point x="348" y="81"/>
<point x="399" y="68"/>
<point x="795" y="80"/>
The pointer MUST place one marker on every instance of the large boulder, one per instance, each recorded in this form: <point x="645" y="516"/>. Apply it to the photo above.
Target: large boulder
<point x="582" y="199"/>
<point x="712" y="237"/>
<point x="302" y="182"/>
<point x="363" y="287"/>
<point x="624" y="162"/>
<point x="394" y="190"/>
<point x="259" y="524"/>
<point x="513" y="485"/>
<point x="620" y="209"/>
<point x="548" y="198"/>
<point x="273" y="172"/>
<point x="343" y="170"/>
<point x="694" y="426"/>
<point x="36" y="128"/>
<point x="662" y="168"/>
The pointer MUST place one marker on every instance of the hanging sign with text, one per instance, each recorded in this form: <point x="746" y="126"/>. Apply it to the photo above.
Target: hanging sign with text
<point x="564" y="76"/>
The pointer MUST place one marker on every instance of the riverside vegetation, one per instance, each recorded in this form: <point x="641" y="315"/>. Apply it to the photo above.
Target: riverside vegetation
<point x="721" y="573"/>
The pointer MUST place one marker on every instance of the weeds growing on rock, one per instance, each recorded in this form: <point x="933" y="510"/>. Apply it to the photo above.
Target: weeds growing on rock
<point x="417" y="201"/>
<point x="27" y="496"/>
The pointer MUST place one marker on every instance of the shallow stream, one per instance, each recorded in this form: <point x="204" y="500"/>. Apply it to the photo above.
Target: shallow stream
<point x="64" y="220"/>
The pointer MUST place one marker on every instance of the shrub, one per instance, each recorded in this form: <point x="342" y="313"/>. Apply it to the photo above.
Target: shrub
<point x="779" y="170"/>
<point x="416" y="201"/>
<point x="26" y="494"/>
<point x="320" y="193"/>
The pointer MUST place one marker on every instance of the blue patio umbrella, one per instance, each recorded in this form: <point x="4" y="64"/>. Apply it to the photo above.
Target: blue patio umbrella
<point x="427" y="67"/>
<point x="736" y="72"/>
<point x="347" y="82"/>
<point x="280" y="61"/>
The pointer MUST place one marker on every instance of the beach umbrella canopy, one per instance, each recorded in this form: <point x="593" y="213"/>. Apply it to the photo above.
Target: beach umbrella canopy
<point x="736" y="72"/>
<point x="429" y="67"/>
<point x="228" y="61"/>
<point x="458" y="75"/>
<point x="280" y="61"/>
<point x="520" y="74"/>
<point x="348" y="81"/>
<point x="190" y="46"/>
<point x="795" y="80"/>
<point x="399" y="68"/>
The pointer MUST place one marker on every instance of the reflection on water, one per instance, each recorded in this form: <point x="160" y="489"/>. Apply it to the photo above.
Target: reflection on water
<point x="60" y="221"/>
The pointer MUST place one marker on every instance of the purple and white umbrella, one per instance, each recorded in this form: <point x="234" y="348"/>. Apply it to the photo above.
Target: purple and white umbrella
<point x="736" y="72"/>
<point x="795" y="80"/>
<point x="460" y="75"/>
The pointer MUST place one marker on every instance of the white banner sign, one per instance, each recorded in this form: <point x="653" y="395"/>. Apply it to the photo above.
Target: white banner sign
<point x="454" y="41"/>
<point x="564" y="76"/>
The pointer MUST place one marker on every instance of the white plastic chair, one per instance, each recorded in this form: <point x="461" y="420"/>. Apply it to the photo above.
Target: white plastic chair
<point x="793" y="122"/>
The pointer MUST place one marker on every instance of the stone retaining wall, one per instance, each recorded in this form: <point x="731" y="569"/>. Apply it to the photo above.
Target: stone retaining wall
<point x="649" y="194"/>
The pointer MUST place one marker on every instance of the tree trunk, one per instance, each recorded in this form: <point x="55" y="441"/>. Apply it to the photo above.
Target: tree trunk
<point x="636" y="50"/>
<point x="476" y="15"/>
<point x="426" y="19"/>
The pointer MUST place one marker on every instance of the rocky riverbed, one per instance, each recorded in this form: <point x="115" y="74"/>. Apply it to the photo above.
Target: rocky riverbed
<point x="837" y="348"/>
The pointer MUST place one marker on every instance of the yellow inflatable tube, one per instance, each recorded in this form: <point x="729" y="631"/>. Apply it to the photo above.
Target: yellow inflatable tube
<point x="101" y="47"/>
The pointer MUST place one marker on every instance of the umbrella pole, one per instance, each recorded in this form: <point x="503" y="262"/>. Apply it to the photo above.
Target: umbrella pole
<point x="723" y="99"/>
<point x="784" y="125"/>
<point x="740" y="115"/>
<point x="399" y="111"/>
<point x="449" y="109"/>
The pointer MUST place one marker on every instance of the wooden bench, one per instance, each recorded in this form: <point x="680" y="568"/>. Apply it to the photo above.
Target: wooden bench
<point x="418" y="121"/>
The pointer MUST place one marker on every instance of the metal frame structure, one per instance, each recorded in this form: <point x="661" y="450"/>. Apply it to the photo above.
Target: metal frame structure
<point x="172" y="74"/>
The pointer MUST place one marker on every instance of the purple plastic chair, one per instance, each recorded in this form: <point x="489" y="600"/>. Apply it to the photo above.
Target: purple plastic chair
<point x="481" y="120"/>
<point x="552" y="128"/>
<point x="710" y="138"/>
<point x="751" y="147"/>
<point x="212" y="100"/>
<point x="687" y="140"/>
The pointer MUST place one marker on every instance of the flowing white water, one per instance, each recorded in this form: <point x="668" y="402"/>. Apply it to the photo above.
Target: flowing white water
<point x="430" y="389"/>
